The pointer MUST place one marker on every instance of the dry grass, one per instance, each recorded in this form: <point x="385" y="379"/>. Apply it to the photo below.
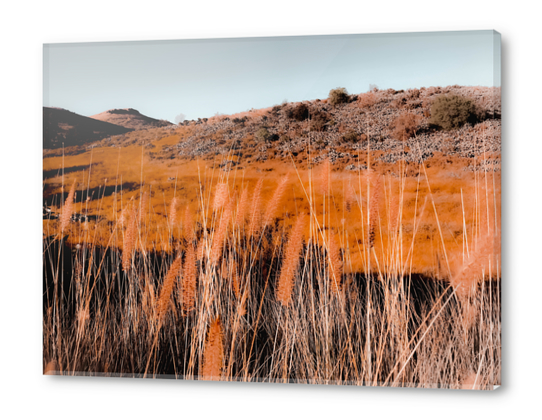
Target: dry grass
<point x="256" y="208"/>
<point x="367" y="100"/>
<point x="291" y="262"/>
<point x="189" y="280"/>
<point x="221" y="196"/>
<point x="213" y="355"/>
<point x="405" y="126"/>
<point x="276" y="200"/>
<point x="67" y="210"/>
<point x="220" y="234"/>
<point x="313" y="276"/>
<point x="167" y="289"/>
<point x="129" y="240"/>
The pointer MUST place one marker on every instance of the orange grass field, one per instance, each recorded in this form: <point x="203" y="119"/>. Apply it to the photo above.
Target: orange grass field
<point x="449" y="205"/>
<point x="280" y="270"/>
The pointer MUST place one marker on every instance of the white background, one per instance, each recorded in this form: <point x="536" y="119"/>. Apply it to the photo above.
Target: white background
<point x="25" y="26"/>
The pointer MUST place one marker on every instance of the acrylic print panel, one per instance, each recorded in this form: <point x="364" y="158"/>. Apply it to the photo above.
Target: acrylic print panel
<point x="320" y="209"/>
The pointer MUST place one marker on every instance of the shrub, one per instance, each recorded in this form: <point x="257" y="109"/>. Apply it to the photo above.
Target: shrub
<point x="338" y="96"/>
<point x="405" y="126"/>
<point x="273" y="137"/>
<point x="300" y="112"/>
<point x="240" y="121"/>
<point x="350" y="137"/>
<point x="452" y="111"/>
<point x="262" y="135"/>
<point x="318" y="121"/>
<point x="412" y="94"/>
<point x="366" y="100"/>
<point x="398" y="103"/>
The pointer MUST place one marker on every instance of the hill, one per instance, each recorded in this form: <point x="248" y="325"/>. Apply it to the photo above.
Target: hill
<point x="62" y="127"/>
<point x="309" y="143"/>
<point x="130" y="118"/>
<point x="394" y="125"/>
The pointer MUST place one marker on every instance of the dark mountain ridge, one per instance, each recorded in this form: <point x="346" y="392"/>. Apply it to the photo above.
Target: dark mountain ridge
<point x="64" y="128"/>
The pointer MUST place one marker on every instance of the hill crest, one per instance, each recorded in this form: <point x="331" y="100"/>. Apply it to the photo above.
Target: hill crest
<point x="129" y="118"/>
<point x="65" y="128"/>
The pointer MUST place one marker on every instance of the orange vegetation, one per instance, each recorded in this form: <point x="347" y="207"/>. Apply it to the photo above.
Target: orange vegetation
<point x="271" y="269"/>
<point x="397" y="193"/>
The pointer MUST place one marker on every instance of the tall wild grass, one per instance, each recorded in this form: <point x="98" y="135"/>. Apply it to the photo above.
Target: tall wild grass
<point x="241" y="291"/>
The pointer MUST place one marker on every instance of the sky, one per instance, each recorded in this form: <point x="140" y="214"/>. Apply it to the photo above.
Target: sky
<point x="200" y="78"/>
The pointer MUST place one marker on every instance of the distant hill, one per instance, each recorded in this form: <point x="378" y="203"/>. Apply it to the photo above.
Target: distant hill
<point x="130" y="118"/>
<point x="396" y="124"/>
<point x="61" y="126"/>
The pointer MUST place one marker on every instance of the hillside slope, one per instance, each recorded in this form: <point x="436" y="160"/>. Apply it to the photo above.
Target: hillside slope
<point x="62" y="127"/>
<point x="130" y="118"/>
<point x="310" y="144"/>
<point x="310" y="132"/>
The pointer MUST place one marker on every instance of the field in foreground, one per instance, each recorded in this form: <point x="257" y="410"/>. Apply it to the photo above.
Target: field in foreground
<point x="298" y="269"/>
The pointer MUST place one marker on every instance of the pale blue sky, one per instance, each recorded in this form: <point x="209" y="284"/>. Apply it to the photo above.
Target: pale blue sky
<point x="199" y="78"/>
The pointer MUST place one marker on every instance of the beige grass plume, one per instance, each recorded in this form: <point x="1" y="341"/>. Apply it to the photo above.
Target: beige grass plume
<point x="256" y="208"/>
<point x="129" y="240"/>
<point x="144" y="204"/>
<point x="275" y="202"/>
<point x="242" y="208"/>
<point x="220" y="234"/>
<point x="235" y="278"/>
<point x="202" y="250"/>
<point x="124" y="217"/>
<point x="213" y="355"/>
<point x="148" y="298"/>
<point x="173" y="212"/>
<point x="475" y="266"/>
<point x="236" y="285"/>
<point x="167" y="289"/>
<point x="67" y="209"/>
<point x="221" y="195"/>
<point x="188" y="225"/>
<point x="188" y="286"/>
<point x="394" y="215"/>
<point x="290" y="262"/>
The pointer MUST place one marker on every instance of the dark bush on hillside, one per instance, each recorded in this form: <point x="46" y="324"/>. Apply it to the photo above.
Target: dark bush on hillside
<point x="240" y="120"/>
<point x="405" y="126"/>
<point x="338" y="96"/>
<point x="299" y="112"/>
<point x="452" y="111"/>
<point x="412" y="94"/>
<point x="318" y="121"/>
